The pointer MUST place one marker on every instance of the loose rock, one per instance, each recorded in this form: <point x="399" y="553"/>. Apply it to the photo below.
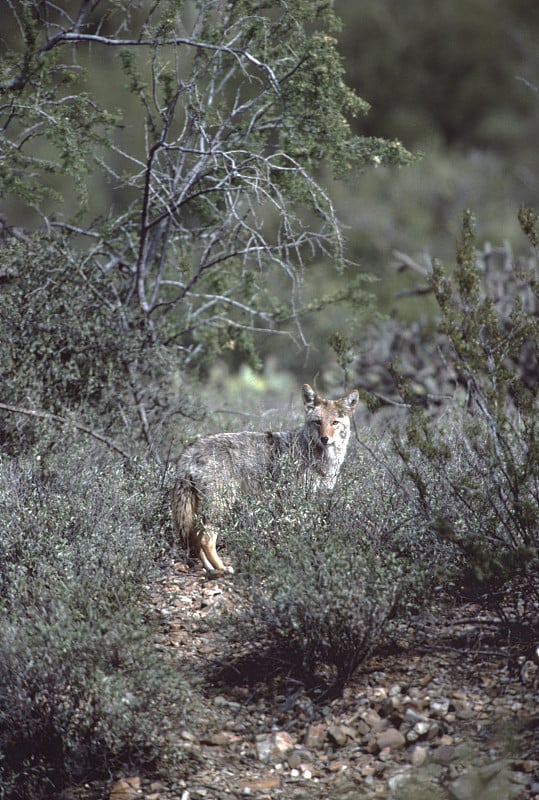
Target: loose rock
<point x="316" y="736"/>
<point x="391" y="738"/>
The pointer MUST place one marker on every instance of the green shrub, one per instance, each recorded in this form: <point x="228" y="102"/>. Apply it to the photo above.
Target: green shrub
<point x="475" y="468"/>
<point x="326" y="573"/>
<point x="68" y="350"/>
<point x="81" y="693"/>
<point x="63" y="345"/>
<point x="84" y="690"/>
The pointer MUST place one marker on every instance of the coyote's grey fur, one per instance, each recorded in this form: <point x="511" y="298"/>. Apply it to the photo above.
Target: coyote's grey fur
<point x="216" y="470"/>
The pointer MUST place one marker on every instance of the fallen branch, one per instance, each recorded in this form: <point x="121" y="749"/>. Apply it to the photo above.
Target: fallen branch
<point x="29" y="412"/>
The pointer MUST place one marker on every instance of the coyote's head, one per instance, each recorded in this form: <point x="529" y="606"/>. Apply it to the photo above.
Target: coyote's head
<point x="328" y="421"/>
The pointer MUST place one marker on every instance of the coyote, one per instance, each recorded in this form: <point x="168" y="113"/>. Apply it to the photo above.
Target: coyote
<point x="216" y="470"/>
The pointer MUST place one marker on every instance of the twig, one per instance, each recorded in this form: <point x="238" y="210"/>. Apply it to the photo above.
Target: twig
<point x="66" y="37"/>
<point x="419" y="290"/>
<point x="406" y="262"/>
<point x="141" y="410"/>
<point x="29" y="412"/>
<point x="389" y="401"/>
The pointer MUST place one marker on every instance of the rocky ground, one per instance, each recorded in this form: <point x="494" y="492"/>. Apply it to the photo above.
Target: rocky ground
<point x="449" y="713"/>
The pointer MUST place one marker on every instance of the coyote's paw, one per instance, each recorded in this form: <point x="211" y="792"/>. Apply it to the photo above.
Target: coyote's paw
<point x="213" y="574"/>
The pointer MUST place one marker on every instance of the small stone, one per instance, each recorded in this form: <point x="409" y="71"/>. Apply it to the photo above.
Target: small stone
<point x="422" y="728"/>
<point x="316" y="736"/>
<point x="362" y="728"/>
<point x="440" y="706"/>
<point x="274" y="745"/>
<point x="398" y="781"/>
<point x="340" y="734"/>
<point x="221" y="739"/>
<point x="283" y="741"/>
<point x="380" y="726"/>
<point x="379" y="693"/>
<point x="434" y="731"/>
<point x="126" y="789"/>
<point x="220" y="701"/>
<point x="370" y="717"/>
<point x="391" y="738"/>
<point x="413" y="717"/>
<point x="443" y="754"/>
<point x="260" y="784"/>
<point x="264" y="746"/>
<point x="463" y="711"/>
<point x="338" y="766"/>
<point x="418" y="755"/>
<point x="294" y="759"/>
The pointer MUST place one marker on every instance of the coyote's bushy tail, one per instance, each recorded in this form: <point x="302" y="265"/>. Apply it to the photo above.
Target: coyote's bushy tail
<point x="199" y="538"/>
<point x="184" y="508"/>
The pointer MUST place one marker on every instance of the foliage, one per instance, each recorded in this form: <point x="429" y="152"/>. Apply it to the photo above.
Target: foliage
<point x="476" y="470"/>
<point x="72" y="350"/>
<point x="326" y="574"/>
<point x="83" y="687"/>
<point x="43" y="104"/>
<point x="199" y="206"/>
<point x="63" y="346"/>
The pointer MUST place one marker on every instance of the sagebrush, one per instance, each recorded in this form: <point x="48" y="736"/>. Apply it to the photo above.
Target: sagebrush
<point x="475" y="466"/>
<point x="327" y="574"/>
<point x="84" y="690"/>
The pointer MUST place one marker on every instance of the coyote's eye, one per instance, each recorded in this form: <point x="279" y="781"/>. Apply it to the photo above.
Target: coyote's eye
<point x="336" y="422"/>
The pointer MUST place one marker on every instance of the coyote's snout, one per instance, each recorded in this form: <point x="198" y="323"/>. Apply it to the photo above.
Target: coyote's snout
<point x="217" y="469"/>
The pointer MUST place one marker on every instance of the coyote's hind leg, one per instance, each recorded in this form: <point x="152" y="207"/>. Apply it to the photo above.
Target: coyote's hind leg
<point x="208" y="552"/>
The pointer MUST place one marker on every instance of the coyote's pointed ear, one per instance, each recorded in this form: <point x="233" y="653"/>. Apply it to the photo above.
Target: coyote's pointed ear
<point x="310" y="398"/>
<point x="350" y="402"/>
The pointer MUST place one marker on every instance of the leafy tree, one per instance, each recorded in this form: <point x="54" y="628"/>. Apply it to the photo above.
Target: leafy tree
<point x="194" y="184"/>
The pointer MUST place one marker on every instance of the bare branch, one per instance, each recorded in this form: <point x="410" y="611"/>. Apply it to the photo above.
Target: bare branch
<point x="67" y="37"/>
<point x="29" y="412"/>
<point x="404" y="261"/>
